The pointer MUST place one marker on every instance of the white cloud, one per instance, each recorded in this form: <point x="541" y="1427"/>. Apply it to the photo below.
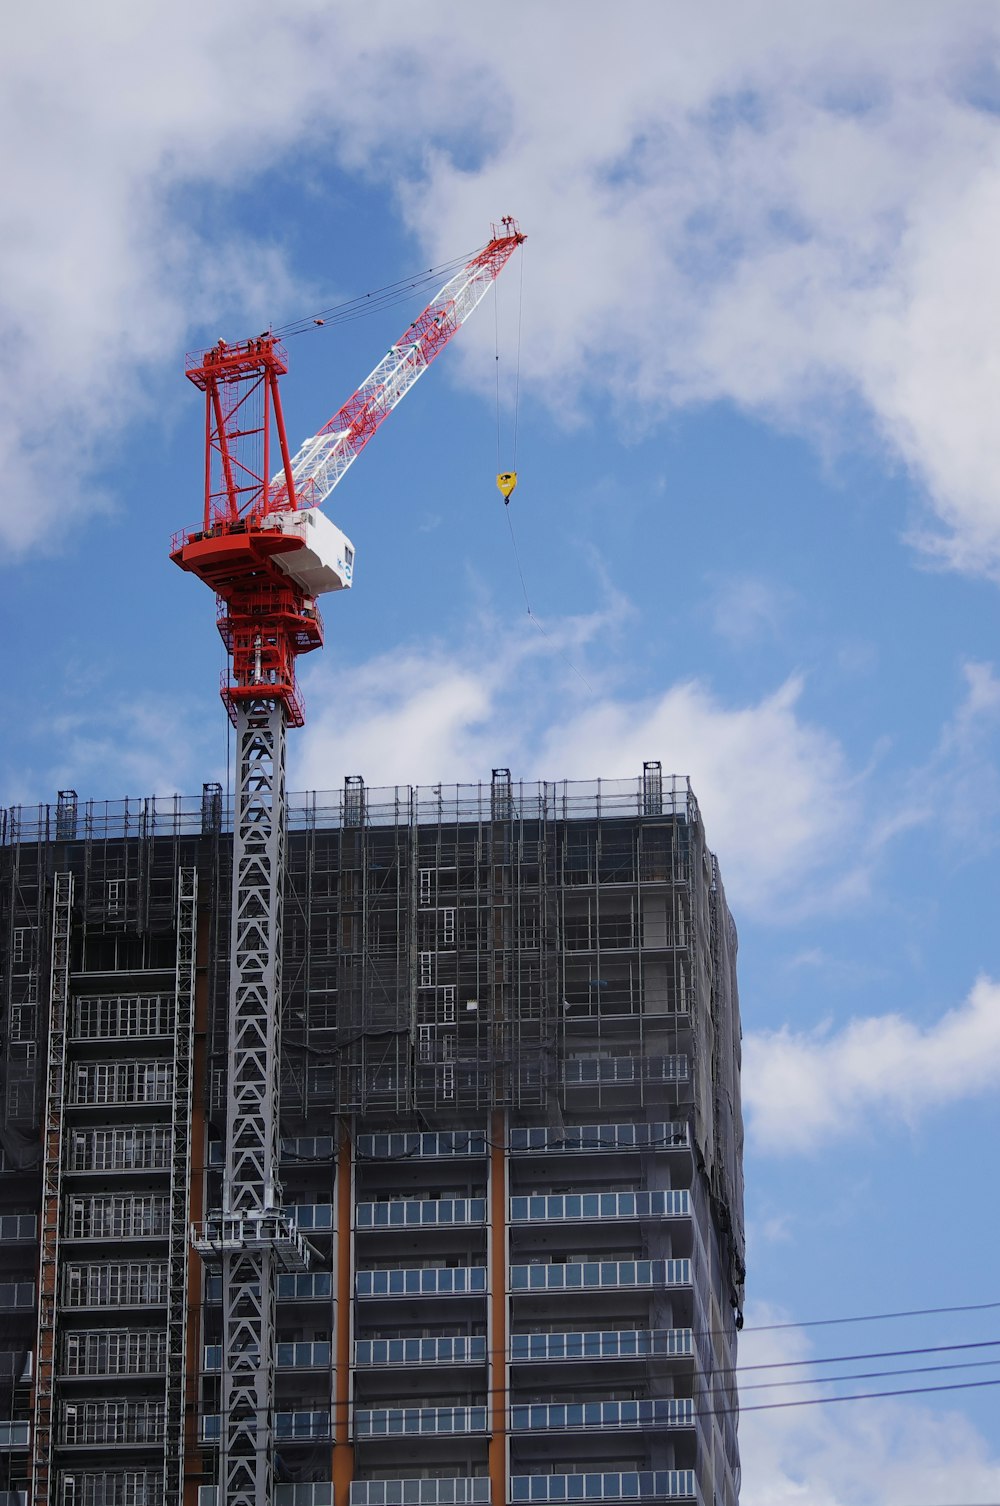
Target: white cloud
<point x="774" y="789"/>
<point x="109" y="748"/>
<point x="744" y="609"/>
<point x="897" y="1452"/>
<point x="804" y="1089"/>
<point x="957" y="788"/>
<point x="788" y="207"/>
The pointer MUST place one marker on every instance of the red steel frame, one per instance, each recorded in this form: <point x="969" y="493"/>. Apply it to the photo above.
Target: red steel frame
<point x="265" y="619"/>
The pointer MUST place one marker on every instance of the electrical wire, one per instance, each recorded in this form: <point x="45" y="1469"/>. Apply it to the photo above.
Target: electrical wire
<point x="915" y="1312"/>
<point x="727" y="1379"/>
<point x="875" y="1354"/>
<point x="827" y="1380"/>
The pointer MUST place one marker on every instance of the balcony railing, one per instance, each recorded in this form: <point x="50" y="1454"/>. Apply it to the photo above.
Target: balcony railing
<point x="311" y="1218"/>
<point x="314" y="1493"/>
<point x="111" y="1487"/>
<point x="460" y="1349"/>
<point x="129" y="1216"/>
<point x="599" y="1206"/>
<point x="420" y="1213"/>
<point x="293" y="1148"/>
<point x="598" y="1344"/>
<point x="435" y="1281"/>
<point x="663" y="1135"/>
<point x="93" y="1422"/>
<point x="583" y="1071"/>
<point x="631" y="1485"/>
<point x="290" y="1356"/>
<point x="470" y="1491"/>
<point x="568" y="1416"/>
<point x="399" y="1146"/>
<point x="289" y="1427"/>
<point x="14" y="1294"/>
<point x="16" y="1226"/>
<point x="126" y="1017"/>
<point x="140" y="1283"/>
<point x="382" y="1422"/>
<point x="587" y="1274"/>
<point x="308" y="1286"/>
<point x="110" y="1351"/>
<point x="131" y="1149"/>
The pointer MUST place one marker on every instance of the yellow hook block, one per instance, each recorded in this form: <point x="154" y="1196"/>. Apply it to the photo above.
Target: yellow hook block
<point x="506" y="481"/>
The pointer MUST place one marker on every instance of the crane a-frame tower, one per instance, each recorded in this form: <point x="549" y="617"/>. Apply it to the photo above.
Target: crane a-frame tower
<point x="268" y="551"/>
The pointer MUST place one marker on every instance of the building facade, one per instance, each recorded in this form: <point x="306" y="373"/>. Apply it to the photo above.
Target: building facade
<point x="511" y="1136"/>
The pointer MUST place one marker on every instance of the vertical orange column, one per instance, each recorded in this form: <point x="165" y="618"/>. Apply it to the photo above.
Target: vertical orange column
<point x="343" y="1452"/>
<point x="194" y="1468"/>
<point x="497" y="1327"/>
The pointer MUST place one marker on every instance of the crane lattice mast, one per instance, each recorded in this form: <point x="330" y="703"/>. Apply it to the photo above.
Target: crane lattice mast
<point x="267" y="551"/>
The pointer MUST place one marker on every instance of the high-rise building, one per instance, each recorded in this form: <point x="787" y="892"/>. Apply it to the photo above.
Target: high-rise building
<point x="511" y="1136"/>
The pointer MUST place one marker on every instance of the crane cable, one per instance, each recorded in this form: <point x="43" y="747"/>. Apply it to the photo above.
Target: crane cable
<point x="501" y="476"/>
<point x="364" y="304"/>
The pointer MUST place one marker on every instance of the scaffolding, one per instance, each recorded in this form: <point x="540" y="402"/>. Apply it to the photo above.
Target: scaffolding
<point x="485" y="960"/>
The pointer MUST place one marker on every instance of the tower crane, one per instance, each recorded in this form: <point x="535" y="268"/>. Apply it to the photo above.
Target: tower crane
<point x="268" y="551"/>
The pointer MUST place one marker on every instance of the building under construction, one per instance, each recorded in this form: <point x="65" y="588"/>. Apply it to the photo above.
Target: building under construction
<point x="510" y="1141"/>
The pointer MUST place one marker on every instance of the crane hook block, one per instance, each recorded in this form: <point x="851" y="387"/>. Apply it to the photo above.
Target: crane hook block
<point x="506" y="481"/>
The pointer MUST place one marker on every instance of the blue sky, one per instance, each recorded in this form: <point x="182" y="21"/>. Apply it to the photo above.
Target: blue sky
<point x="758" y="519"/>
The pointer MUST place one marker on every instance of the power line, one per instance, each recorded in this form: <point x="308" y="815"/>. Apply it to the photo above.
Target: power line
<point x="826" y="1380"/>
<point x="826" y="1401"/>
<point x="914" y="1312"/>
<point x="875" y="1354"/>
<point x="727" y="1377"/>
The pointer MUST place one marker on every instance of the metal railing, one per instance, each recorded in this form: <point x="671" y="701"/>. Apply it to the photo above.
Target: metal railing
<point x="457" y="1491"/>
<point x="460" y="1349"/>
<point x="112" y="1421"/>
<point x="563" y="1416"/>
<point x="420" y="1213"/>
<point x="98" y="1083"/>
<point x="313" y="1493"/>
<point x="436" y="1281"/>
<point x="124" y="1216"/>
<point x="139" y="1283"/>
<point x="289" y="1427"/>
<point x="603" y="1344"/>
<point x="131" y="1149"/>
<point x="581" y="1275"/>
<point x="111" y="1487"/>
<point x="629" y="1485"/>
<point x="661" y="1135"/>
<point x="303" y="1355"/>
<point x="133" y="1016"/>
<point x="16" y="1294"/>
<point x="115" y="1351"/>
<point x="582" y="1071"/>
<point x="398" y="1146"/>
<point x="307" y="1286"/>
<point x="572" y="1206"/>
<point x="379" y="1422"/>
<point x="15" y="1226"/>
<point x="393" y="805"/>
<point x="311" y="1217"/>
